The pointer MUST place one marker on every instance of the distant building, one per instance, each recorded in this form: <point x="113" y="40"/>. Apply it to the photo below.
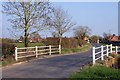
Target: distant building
<point x="20" y="41"/>
<point x="35" y="39"/>
<point x="113" y="38"/>
<point x="86" y="39"/>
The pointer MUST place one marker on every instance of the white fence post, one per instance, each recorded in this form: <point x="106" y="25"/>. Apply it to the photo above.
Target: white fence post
<point x="50" y="49"/>
<point x="98" y="41"/>
<point x="88" y="41"/>
<point x="93" y="55"/>
<point x="36" y="51"/>
<point x="111" y="48"/>
<point x="116" y="49"/>
<point x="102" y="57"/>
<point x="107" y="50"/>
<point x="59" y="49"/>
<point x="16" y="54"/>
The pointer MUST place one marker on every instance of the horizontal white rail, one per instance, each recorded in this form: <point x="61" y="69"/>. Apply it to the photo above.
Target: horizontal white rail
<point x="97" y="58"/>
<point x="26" y="56"/>
<point x="97" y="47"/>
<point x="43" y="46"/>
<point x="104" y="46"/>
<point x="100" y="52"/>
<point x="54" y="49"/>
<point x="26" y="48"/>
<point x="97" y="53"/>
<point x="36" y="51"/>
<point x="103" y="51"/>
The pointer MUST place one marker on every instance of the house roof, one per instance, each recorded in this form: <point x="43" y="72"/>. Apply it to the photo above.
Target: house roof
<point x="113" y="38"/>
<point x="35" y="39"/>
<point x="86" y="38"/>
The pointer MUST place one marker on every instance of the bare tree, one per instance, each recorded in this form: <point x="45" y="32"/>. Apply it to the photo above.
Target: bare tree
<point x="34" y="35"/>
<point x="30" y="17"/>
<point x="94" y="38"/>
<point x="81" y="32"/>
<point x="54" y="34"/>
<point x="61" y="22"/>
<point x="106" y="35"/>
<point x="22" y="38"/>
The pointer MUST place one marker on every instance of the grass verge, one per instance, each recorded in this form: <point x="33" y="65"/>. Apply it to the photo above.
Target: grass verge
<point x="97" y="72"/>
<point x="80" y="49"/>
<point x="103" y="44"/>
<point x="6" y="62"/>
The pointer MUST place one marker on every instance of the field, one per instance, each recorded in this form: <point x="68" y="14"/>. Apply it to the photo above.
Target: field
<point x="30" y="44"/>
<point x="80" y="49"/>
<point x="66" y="50"/>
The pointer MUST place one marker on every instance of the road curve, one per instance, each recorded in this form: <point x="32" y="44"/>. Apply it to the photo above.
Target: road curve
<point x="54" y="67"/>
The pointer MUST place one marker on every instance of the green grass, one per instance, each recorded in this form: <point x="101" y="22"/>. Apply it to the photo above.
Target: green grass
<point x="7" y="62"/>
<point x="0" y="63"/>
<point x="30" y="44"/>
<point x="80" y="49"/>
<point x="84" y="48"/>
<point x="103" y="44"/>
<point x="98" y="71"/>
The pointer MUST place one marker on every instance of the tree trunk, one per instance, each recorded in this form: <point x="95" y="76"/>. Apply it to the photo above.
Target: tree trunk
<point x="60" y="40"/>
<point x="26" y="38"/>
<point x="79" y="41"/>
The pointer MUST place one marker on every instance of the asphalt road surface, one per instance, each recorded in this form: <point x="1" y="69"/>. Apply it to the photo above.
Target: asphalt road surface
<point x="54" y="67"/>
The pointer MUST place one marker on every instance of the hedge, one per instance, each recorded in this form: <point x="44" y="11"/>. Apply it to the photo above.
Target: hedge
<point x="66" y="42"/>
<point x="7" y="49"/>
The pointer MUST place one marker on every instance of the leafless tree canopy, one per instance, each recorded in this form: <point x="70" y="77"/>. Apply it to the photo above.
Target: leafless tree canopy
<point x="94" y="38"/>
<point x="28" y="16"/>
<point x="106" y="35"/>
<point x="35" y="35"/>
<point x="61" y="22"/>
<point x="82" y="31"/>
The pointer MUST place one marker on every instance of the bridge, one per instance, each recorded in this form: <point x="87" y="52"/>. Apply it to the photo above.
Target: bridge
<point x="50" y="67"/>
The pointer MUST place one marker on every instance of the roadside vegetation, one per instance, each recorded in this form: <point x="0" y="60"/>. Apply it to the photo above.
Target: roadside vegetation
<point x="109" y="69"/>
<point x="29" y="44"/>
<point x="103" y="44"/>
<point x="79" y="49"/>
<point x="98" y="72"/>
<point x="69" y="45"/>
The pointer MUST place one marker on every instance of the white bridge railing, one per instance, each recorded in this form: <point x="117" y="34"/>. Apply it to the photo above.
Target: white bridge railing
<point x="36" y="51"/>
<point x="102" y="51"/>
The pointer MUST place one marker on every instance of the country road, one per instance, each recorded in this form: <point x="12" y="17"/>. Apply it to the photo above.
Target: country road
<point x="54" y="67"/>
